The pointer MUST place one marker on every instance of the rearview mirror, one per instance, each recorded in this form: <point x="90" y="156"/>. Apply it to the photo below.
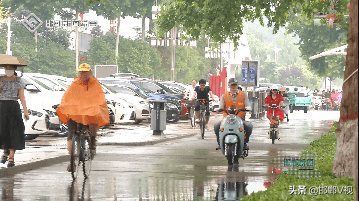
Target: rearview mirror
<point x="31" y="88"/>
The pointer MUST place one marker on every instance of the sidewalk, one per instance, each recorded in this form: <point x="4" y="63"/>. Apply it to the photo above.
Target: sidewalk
<point x="44" y="153"/>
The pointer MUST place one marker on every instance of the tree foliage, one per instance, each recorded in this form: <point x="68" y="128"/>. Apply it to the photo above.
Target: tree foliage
<point x="138" y="57"/>
<point x="51" y="58"/>
<point x="317" y="39"/>
<point x="225" y="19"/>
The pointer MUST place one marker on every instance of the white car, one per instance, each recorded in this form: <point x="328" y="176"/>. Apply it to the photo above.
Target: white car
<point x="119" y="110"/>
<point x="57" y="90"/>
<point x="39" y="101"/>
<point x="137" y="100"/>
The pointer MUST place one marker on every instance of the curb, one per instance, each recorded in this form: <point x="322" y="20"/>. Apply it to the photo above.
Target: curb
<point x="144" y="143"/>
<point x="5" y="172"/>
<point x="32" y="165"/>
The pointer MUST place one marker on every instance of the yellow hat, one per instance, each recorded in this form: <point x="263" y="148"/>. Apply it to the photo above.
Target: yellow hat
<point x="84" y="67"/>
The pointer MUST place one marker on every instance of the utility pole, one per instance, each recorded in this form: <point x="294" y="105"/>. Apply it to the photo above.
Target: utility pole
<point x="220" y="53"/>
<point x="77" y="41"/>
<point x="8" y="51"/>
<point x="173" y="53"/>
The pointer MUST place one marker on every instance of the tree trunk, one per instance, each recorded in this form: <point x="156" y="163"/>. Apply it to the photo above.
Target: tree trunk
<point x="143" y="27"/>
<point x="344" y="162"/>
<point x="117" y="37"/>
<point x="150" y="29"/>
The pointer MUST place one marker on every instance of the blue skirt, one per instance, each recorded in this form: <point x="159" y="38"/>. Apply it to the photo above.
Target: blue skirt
<point x="12" y="128"/>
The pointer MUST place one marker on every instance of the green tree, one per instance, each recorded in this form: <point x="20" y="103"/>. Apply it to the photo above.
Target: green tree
<point x="259" y="49"/>
<point x="115" y="9"/>
<point x="51" y="57"/>
<point x="289" y="53"/>
<point x="225" y="19"/>
<point x="96" y="31"/>
<point x="58" y="36"/>
<point x="138" y="57"/>
<point x="317" y="39"/>
<point x="101" y="52"/>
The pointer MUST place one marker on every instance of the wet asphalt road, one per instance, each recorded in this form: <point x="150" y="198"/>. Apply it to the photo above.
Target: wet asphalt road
<point x="185" y="169"/>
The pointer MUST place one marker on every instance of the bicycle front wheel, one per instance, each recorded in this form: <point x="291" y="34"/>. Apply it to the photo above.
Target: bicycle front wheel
<point x="75" y="156"/>
<point x="203" y="125"/>
<point x="87" y="156"/>
<point x="193" y="117"/>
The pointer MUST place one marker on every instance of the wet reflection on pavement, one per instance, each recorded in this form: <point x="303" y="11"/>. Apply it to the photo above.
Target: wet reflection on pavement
<point x="186" y="169"/>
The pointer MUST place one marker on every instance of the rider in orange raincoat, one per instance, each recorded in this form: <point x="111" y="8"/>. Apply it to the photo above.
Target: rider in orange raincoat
<point x="84" y="102"/>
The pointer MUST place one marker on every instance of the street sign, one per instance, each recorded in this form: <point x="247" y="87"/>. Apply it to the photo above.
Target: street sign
<point x="102" y="71"/>
<point x="250" y="73"/>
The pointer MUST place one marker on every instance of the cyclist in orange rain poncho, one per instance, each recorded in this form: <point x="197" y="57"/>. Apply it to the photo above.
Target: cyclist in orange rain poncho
<point x="84" y="102"/>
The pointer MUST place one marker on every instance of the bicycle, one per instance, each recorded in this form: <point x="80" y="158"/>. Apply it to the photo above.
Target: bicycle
<point x="202" y="119"/>
<point x="80" y="151"/>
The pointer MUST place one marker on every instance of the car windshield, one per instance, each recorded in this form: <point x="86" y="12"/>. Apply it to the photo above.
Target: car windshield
<point x="44" y="82"/>
<point x="175" y="85"/>
<point x="152" y="88"/>
<point x="127" y="84"/>
<point x="63" y="83"/>
<point x="165" y="88"/>
<point x="108" y="88"/>
<point x="125" y="90"/>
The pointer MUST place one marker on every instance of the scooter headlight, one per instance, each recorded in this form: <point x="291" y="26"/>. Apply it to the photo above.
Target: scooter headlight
<point x="231" y="119"/>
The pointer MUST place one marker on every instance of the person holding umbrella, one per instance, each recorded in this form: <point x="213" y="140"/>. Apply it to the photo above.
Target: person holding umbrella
<point x="12" y="127"/>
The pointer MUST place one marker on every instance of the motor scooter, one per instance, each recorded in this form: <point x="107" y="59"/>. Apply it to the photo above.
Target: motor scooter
<point x="274" y="123"/>
<point x="325" y="104"/>
<point x="231" y="135"/>
<point x="336" y="105"/>
<point x="317" y="102"/>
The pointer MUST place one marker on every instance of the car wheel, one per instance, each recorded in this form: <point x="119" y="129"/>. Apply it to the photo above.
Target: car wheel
<point x="30" y="137"/>
<point x="138" y="121"/>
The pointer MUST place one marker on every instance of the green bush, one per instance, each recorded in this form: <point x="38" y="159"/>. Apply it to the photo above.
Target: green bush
<point x="325" y="149"/>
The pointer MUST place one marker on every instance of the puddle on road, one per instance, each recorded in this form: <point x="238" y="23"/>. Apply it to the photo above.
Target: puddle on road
<point x="185" y="176"/>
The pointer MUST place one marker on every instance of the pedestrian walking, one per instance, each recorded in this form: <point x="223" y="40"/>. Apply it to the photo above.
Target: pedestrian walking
<point x="12" y="127"/>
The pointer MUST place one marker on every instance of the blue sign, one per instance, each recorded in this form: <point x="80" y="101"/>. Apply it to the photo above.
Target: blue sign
<point x="252" y="74"/>
<point x="244" y="74"/>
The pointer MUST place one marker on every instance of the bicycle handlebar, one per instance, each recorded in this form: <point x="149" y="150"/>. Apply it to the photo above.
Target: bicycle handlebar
<point x="273" y="107"/>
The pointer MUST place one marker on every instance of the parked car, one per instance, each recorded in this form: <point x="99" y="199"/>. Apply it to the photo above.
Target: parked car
<point x="173" y="106"/>
<point x="170" y="84"/>
<point x="120" y="111"/>
<point x="39" y="102"/>
<point x="137" y="100"/>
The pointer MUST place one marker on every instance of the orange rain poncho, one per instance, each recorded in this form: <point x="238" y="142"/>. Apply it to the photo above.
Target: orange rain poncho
<point x="84" y="103"/>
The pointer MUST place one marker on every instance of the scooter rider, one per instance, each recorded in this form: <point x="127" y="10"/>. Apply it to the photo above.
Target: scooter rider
<point x="238" y="99"/>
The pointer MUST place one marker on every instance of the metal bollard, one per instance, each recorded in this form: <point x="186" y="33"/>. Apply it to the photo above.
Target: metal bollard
<point x="254" y="103"/>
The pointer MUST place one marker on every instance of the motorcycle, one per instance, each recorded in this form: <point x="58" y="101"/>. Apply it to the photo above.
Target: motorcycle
<point x="274" y="123"/>
<point x="317" y="102"/>
<point x="231" y="135"/>
<point x="325" y="104"/>
<point x="336" y="105"/>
